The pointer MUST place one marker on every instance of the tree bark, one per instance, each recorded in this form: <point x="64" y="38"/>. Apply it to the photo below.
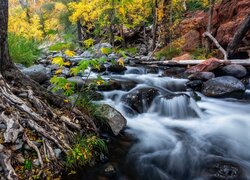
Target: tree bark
<point x="209" y="35"/>
<point x="79" y="33"/>
<point x="155" y="24"/>
<point x="239" y="35"/>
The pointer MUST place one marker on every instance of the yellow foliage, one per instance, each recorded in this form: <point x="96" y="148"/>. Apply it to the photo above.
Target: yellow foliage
<point x="69" y="53"/>
<point x="120" y="61"/>
<point x="58" y="60"/>
<point x="59" y="71"/>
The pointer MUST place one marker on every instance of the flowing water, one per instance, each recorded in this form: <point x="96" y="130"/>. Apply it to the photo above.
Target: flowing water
<point x="178" y="138"/>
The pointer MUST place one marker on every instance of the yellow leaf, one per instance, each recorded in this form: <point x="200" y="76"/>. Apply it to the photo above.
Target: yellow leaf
<point x="122" y="11"/>
<point x="66" y="100"/>
<point x="105" y="50"/>
<point x="69" y="53"/>
<point x="58" y="60"/>
<point x="67" y="63"/>
<point x="59" y="71"/>
<point x="120" y="61"/>
<point x="67" y="86"/>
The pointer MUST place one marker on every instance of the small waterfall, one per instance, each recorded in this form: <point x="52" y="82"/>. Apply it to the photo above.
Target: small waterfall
<point x="176" y="107"/>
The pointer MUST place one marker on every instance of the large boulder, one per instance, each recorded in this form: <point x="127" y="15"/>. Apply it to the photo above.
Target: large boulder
<point x="192" y="40"/>
<point x="37" y="72"/>
<point x="223" y="86"/>
<point x="140" y="99"/>
<point x="114" y="118"/>
<point x="235" y="70"/>
<point x="204" y="76"/>
<point x="208" y="65"/>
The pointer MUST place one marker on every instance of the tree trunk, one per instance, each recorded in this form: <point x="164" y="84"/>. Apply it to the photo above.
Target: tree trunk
<point x="164" y="24"/>
<point x="239" y="35"/>
<point x="79" y="33"/>
<point x="209" y="26"/>
<point x="111" y="26"/>
<point x="155" y="25"/>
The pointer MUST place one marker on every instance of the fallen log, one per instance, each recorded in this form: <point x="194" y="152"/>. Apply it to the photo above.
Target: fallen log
<point x="245" y="62"/>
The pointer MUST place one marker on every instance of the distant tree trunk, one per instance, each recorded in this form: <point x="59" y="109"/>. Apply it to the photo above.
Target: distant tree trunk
<point x="164" y="24"/>
<point x="209" y="26"/>
<point x="155" y="25"/>
<point x="123" y="41"/>
<point x="171" y="21"/>
<point x="239" y="35"/>
<point x="79" y="33"/>
<point x="111" y="26"/>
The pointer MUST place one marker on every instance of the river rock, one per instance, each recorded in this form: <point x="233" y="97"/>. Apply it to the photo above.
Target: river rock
<point x="206" y="66"/>
<point x="111" y="85"/>
<point x="101" y="68"/>
<point x="140" y="99"/>
<point x="204" y="76"/>
<point x="195" y="84"/>
<point x="37" y="72"/>
<point x="115" y="119"/>
<point x="235" y="70"/>
<point x="116" y="68"/>
<point x="223" y="86"/>
<point x="86" y="54"/>
<point x="78" y="80"/>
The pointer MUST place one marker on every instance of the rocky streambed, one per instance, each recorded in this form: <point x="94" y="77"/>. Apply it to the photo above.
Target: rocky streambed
<point x="173" y="130"/>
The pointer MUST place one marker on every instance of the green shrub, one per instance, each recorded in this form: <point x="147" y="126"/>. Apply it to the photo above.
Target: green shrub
<point x="85" y="150"/>
<point x="194" y="5"/>
<point x="61" y="46"/>
<point x="22" y="50"/>
<point x="168" y="53"/>
<point x="200" y="53"/>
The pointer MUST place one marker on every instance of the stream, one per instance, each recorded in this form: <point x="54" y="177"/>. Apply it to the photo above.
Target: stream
<point x="177" y="136"/>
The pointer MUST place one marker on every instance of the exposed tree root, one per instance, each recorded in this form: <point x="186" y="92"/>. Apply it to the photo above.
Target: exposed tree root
<point x="23" y="112"/>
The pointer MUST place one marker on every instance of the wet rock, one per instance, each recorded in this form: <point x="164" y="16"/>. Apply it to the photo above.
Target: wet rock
<point x="195" y="84"/>
<point x="36" y="162"/>
<point x="113" y="56"/>
<point x="140" y="99"/>
<point x="78" y="80"/>
<point x="57" y="152"/>
<point x="234" y="70"/>
<point x="97" y="48"/>
<point x="37" y="72"/>
<point x="224" y="171"/>
<point x="3" y="126"/>
<point x="114" y="118"/>
<point x="178" y="72"/>
<point x="223" y="86"/>
<point x="20" y="66"/>
<point x="86" y="54"/>
<point x="152" y="70"/>
<point x="109" y="170"/>
<point x="116" y="68"/>
<point x="53" y="67"/>
<point x="204" y="76"/>
<point x="111" y="85"/>
<point x="206" y="66"/>
<point x="102" y="68"/>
